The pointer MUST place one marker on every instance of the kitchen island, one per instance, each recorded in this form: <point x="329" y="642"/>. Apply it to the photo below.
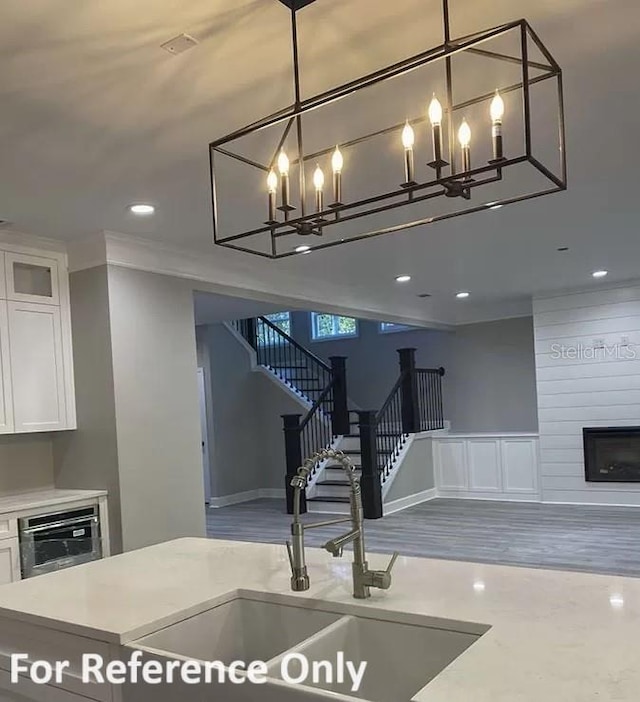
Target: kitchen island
<point x="548" y="635"/>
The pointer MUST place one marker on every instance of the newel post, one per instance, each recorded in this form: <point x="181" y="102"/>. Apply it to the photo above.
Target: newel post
<point x="409" y="391"/>
<point x="340" y="416"/>
<point x="252" y="332"/>
<point x="293" y="456"/>
<point x="370" y="479"/>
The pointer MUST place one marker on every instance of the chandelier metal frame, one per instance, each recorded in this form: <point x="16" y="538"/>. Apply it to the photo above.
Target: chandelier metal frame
<point x="453" y="183"/>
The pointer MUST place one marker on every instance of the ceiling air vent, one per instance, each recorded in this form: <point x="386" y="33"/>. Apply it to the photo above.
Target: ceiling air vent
<point x="179" y="44"/>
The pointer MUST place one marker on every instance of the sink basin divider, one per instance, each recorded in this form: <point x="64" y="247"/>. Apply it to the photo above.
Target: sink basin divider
<point x="276" y="661"/>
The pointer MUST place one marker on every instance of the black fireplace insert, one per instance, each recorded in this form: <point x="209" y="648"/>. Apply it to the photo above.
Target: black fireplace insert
<point x="612" y="454"/>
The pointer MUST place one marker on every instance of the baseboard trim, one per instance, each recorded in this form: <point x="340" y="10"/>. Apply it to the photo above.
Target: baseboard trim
<point x="409" y="501"/>
<point x="498" y="497"/>
<point x="239" y="497"/>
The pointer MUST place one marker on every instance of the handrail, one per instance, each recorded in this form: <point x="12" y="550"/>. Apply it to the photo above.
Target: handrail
<point x="317" y="404"/>
<point x="295" y="344"/>
<point x="389" y="399"/>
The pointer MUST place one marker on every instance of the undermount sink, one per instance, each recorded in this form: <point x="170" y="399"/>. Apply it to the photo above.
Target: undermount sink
<point x="401" y="658"/>
<point x="403" y="652"/>
<point x="240" y="629"/>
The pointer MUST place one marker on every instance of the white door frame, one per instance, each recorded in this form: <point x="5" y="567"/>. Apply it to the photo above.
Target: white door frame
<point x="206" y="463"/>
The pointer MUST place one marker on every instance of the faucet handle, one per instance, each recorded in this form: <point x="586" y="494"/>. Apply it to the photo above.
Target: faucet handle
<point x="290" y="554"/>
<point x="381" y="579"/>
<point x="392" y="562"/>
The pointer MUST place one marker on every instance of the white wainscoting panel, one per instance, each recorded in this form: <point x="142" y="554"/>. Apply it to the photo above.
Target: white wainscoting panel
<point x="519" y="465"/>
<point x="450" y="462"/>
<point x="489" y="466"/>
<point x="483" y="457"/>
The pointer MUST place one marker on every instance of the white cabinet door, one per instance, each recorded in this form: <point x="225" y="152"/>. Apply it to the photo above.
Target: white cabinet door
<point x="520" y="465"/>
<point x="37" y="367"/>
<point x="451" y="465"/>
<point x="9" y="561"/>
<point x="484" y="465"/>
<point x="3" y="282"/>
<point x="32" y="278"/>
<point x="6" y="401"/>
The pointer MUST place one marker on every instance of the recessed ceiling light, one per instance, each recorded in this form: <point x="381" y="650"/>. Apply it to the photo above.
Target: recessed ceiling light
<point x="423" y="295"/>
<point x="403" y="278"/>
<point x="462" y="294"/>
<point x="479" y="586"/>
<point x="141" y="208"/>
<point x="303" y="249"/>
<point x="599" y="274"/>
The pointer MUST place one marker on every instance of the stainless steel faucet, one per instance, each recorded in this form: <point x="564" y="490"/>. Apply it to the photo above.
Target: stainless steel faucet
<point x="363" y="578"/>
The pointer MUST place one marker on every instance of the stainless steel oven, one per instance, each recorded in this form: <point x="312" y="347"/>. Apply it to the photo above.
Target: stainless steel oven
<point x="50" y="542"/>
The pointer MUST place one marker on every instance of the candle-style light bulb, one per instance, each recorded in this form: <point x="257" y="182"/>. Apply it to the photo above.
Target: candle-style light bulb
<point x="497" y="113"/>
<point x="464" y="134"/>
<point x="497" y="108"/>
<point x="318" y="178"/>
<point x="408" y="140"/>
<point x="272" y="188"/>
<point x="337" y="163"/>
<point x="283" y="163"/>
<point x="435" y="112"/>
<point x="408" y="136"/>
<point x="272" y="181"/>
<point x="318" y="182"/>
<point x="464" y="137"/>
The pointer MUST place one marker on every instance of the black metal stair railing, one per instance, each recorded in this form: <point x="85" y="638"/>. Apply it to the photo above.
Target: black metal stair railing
<point x="323" y="385"/>
<point x="413" y="405"/>
<point x="291" y="362"/>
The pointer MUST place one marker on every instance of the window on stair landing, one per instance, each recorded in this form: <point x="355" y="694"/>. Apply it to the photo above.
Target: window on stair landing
<point x="270" y="337"/>
<point x="332" y="326"/>
<point x="389" y="327"/>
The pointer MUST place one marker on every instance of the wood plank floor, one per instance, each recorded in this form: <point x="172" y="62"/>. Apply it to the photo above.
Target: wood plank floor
<point x="566" y="537"/>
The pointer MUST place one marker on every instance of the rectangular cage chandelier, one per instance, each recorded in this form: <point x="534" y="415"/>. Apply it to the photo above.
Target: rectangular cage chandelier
<point x="470" y="125"/>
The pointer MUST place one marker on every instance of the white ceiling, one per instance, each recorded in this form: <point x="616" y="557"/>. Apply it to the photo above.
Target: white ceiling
<point x="210" y="308"/>
<point x="95" y="116"/>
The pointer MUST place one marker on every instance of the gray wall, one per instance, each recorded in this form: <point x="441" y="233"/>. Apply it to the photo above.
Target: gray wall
<point x="491" y="380"/>
<point x="490" y="369"/>
<point x="26" y="463"/>
<point x="139" y="424"/>
<point x="88" y="457"/>
<point x="157" y="408"/>
<point x="417" y="471"/>
<point x="246" y="443"/>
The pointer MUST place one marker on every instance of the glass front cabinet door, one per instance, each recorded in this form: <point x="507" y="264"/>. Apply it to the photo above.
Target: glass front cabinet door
<point x="31" y="279"/>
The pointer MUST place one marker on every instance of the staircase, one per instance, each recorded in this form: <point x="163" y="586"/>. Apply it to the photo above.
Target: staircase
<point x="330" y="491"/>
<point x="374" y="441"/>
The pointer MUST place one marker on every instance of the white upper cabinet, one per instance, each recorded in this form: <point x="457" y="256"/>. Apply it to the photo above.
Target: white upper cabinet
<point x="37" y="371"/>
<point x="36" y="367"/>
<point x="32" y="278"/>
<point x="6" y="395"/>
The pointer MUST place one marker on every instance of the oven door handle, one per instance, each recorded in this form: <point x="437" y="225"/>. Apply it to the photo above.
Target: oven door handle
<point x="56" y="525"/>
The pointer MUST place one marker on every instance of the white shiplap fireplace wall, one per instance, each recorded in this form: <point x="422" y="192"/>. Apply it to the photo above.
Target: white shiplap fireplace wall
<point x="587" y="347"/>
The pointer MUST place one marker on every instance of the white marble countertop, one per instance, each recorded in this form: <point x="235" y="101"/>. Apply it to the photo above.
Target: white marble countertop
<point x="554" y="635"/>
<point x="24" y="501"/>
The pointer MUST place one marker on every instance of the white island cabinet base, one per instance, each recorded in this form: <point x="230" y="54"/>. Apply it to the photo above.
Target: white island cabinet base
<point x="553" y="635"/>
